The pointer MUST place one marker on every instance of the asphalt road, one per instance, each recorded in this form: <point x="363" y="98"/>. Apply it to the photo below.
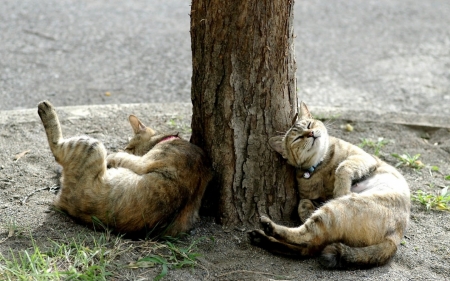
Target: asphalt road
<point x="380" y="55"/>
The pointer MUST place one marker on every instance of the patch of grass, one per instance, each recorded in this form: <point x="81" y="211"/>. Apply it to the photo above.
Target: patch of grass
<point x="376" y="145"/>
<point x="439" y="201"/>
<point x="169" y="256"/>
<point x="12" y="228"/>
<point x="433" y="168"/>
<point x="177" y="124"/>
<point x="413" y="162"/>
<point x="172" y="123"/>
<point x="78" y="259"/>
<point x="447" y="177"/>
<point x="93" y="258"/>
<point x="325" y="117"/>
<point x="409" y="161"/>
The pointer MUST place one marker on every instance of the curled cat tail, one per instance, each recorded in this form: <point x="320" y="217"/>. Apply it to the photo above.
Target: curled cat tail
<point x="338" y="255"/>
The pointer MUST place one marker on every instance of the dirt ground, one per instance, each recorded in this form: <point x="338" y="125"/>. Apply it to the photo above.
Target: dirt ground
<point x="26" y="196"/>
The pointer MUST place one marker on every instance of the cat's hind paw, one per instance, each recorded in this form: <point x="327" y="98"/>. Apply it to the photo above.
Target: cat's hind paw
<point x="267" y="225"/>
<point x="46" y="110"/>
<point x="257" y="237"/>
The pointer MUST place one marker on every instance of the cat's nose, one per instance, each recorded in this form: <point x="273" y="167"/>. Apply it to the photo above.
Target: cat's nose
<point x="311" y="134"/>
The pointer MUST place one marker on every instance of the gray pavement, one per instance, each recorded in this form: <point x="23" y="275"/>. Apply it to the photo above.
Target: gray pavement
<point x="377" y="55"/>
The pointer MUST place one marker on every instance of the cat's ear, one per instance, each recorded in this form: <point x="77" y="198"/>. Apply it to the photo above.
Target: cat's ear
<point x="137" y="125"/>
<point x="277" y="144"/>
<point x="294" y="120"/>
<point x="304" y="112"/>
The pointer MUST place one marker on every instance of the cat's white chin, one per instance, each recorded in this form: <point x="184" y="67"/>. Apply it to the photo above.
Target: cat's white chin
<point x="319" y="148"/>
<point x="316" y="145"/>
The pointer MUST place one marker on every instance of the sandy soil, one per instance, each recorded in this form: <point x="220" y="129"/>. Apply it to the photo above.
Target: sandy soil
<point x="26" y="196"/>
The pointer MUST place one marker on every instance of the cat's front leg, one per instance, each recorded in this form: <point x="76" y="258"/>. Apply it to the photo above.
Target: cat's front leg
<point x="342" y="184"/>
<point x="354" y="168"/>
<point x="122" y="159"/>
<point x="138" y="164"/>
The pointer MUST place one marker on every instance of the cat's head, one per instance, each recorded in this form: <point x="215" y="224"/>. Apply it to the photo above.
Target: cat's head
<point x="305" y="144"/>
<point x="144" y="138"/>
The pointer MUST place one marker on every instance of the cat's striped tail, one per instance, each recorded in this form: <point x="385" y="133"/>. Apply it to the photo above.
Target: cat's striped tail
<point x="338" y="255"/>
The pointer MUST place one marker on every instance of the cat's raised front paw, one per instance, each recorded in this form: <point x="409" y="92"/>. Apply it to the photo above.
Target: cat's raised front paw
<point x="112" y="161"/>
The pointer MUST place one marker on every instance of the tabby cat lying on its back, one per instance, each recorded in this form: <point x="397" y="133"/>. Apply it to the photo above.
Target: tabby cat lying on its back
<point x="363" y="222"/>
<point x="155" y="187"/>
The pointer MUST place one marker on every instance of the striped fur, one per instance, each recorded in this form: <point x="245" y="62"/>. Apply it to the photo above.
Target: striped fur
<point x="363" y="203"/>
<point x="155" y="187"/>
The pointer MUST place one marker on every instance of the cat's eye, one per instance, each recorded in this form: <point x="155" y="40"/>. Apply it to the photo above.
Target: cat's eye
<point x="309" y="125"/>
<point x="297" y="138"/>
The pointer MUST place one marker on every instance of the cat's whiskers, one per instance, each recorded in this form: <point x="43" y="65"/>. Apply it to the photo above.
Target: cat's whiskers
<point x="329" y="125"/>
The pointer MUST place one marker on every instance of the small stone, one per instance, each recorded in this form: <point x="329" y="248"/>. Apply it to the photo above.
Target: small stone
<point x="349" y="128"/>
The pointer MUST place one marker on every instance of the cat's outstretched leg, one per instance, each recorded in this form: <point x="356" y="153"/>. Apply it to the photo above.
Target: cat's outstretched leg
<point x="260" y="239"/>
<point x="81" y="157"/>
<point x="307" y="240"/>
<point x="51" y="124"/>
<point x="355" y="167"/>
<point x="138" y="164"/>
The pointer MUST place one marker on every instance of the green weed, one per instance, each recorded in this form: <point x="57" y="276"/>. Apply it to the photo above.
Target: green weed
<point x="325" y="117"/>
<point x="169" y="256"/>
<point x="413" y="162"/>
<point x="376" y="145"/>
<point x="177" y="124"/>
<point x="79" y="259"/>
<point x="440" y="201"/>
<point x="409" y="161"/>
<point x="12" y="228"/>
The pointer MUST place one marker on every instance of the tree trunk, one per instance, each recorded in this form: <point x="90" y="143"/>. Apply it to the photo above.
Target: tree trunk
<point x="243" y="93"/>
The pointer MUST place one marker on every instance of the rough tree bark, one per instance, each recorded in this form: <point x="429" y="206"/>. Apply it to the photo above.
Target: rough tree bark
<point x="243" y="93"/>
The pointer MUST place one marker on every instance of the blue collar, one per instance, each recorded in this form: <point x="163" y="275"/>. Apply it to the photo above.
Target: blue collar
<point x="310" y="170"/>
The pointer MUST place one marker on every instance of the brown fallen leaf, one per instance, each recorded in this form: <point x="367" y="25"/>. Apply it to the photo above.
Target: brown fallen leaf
<point x="20" y="155"/>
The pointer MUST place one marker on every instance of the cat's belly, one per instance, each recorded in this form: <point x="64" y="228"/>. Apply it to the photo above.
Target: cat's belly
<point x="377" y="182"/>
